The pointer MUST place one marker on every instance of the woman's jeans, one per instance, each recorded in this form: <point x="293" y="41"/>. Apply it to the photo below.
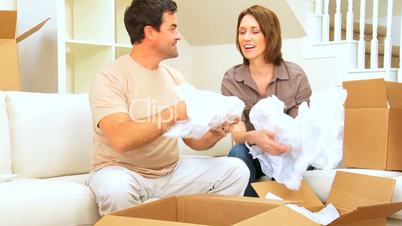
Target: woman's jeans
<point x="241" y="151"/>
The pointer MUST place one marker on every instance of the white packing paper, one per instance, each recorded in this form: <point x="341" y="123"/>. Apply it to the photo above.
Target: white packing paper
<point x="323" y="217"/>
<point x="206" y="110"/>
<point x="314" y="137"/>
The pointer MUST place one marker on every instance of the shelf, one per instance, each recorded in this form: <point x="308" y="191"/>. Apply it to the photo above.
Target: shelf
<point x="84" y="42"/>
<point x="83" y="61"/>
<point x="94" y="35"/>
<point x="90" y="20"/>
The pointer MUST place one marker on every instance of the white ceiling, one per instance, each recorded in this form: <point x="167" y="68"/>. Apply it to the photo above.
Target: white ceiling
<point x="213" y="22"/>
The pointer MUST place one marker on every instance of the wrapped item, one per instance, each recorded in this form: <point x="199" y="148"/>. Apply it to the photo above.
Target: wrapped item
<point x="314" y="138"/>
<point x="205" y="110"/>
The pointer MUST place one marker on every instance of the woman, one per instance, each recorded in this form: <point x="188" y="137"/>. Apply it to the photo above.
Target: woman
<point x="263" y="73"/>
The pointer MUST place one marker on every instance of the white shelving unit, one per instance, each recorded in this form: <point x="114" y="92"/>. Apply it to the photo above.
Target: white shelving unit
<point x="86" y="34"/>
<point x="94" y="35"/>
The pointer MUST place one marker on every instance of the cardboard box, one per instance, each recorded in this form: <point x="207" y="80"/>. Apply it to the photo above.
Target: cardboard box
<point x="9" y="68"/>
<point x="192" y="210"/>
<point x="373" y="125"/>
<point x="360" y="200"/>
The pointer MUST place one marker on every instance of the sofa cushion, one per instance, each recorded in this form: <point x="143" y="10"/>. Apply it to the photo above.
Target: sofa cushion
<point x="51" y="134"/>
<point x="5" y="158"/>
<point x="321" y="182"/>
<point x="46" y="202"/>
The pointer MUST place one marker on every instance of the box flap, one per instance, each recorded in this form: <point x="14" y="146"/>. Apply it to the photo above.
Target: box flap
<point x="351" y="190"/>
<point x="31" y="31"/>
<point x="162" y="209"/>
<point x="304" y="194"/>
<point x="109" y="220"/>
<point x="281" y="216"/>
<point x="394" y="94"/>
<point x="220" y="210"/>
<point x="368" y="212"/>
<point x="8" y="24"/>
<point x="366" y="93"/>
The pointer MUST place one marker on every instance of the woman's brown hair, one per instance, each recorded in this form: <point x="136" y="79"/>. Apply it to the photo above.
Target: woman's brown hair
<point x="270" y="27"/>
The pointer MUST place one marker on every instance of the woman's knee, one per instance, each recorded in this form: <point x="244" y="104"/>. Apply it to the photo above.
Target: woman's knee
<point x="240" y="151"/>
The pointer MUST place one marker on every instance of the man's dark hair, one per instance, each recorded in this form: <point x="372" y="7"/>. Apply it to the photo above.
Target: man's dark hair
<point x="143" y="13"/>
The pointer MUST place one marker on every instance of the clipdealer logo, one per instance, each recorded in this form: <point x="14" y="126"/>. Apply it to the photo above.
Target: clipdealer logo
<point x="148" y="110"/>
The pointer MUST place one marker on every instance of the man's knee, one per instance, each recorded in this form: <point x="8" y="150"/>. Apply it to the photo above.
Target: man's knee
<point x="240" y="169"/>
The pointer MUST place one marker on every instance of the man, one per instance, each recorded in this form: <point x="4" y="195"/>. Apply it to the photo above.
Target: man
<point x="133" y="102"/>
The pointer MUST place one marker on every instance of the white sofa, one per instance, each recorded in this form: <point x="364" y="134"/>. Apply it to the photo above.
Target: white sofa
<point x="45" y="140"/>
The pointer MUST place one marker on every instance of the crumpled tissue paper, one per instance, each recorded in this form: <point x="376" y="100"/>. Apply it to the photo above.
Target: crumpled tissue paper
<point x="205" y="110"/>
<point x="314" y="137"/>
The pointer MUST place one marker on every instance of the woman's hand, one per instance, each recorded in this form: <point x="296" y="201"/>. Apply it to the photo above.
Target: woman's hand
<point x="266" y="141"/>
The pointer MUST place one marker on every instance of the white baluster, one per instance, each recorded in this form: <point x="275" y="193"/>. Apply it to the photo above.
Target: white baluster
<point x="338" y="21"/>
<point x="349" y="21"/>
<point x="318" y="7"/>
<point x="361" y="54"/>
<point x="400" y="52"/>
<point x="374" y="40"/>
<point x="388" y="38"/>
<point x="325" y="22"/>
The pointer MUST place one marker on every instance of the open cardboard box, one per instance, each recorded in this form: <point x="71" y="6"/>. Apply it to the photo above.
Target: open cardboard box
<point x="9" y="67"/>
<point x="201" y="209"/>
<point x="373" y="125"/>
<point x="361" y="200"/>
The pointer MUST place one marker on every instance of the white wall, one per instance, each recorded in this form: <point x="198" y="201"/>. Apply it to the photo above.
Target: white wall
<point x="183" y="62"/>
<point x="209" y="64"/>
<point x="322" y="72"/>
<point x="38" y="53"/>
<point x="8" y="4"/>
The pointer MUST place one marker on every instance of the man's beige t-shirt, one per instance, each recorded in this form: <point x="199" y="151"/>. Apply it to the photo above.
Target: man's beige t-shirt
<point x="126" y="86"/>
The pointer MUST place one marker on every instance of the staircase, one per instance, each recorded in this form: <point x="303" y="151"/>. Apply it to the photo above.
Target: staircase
<point x="336" y="33"/>
<point x="382" y="32"/>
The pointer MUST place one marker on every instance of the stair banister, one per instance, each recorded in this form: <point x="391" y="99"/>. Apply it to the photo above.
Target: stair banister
<point x="388" y="38"/>
<point x="349" y="21"/>
<point x="361" y="54"/>
<point x="338" y="21"/>
<point x="374" y="40"/>
<point x="325" y="22"/>
<point x="318" y="7"/>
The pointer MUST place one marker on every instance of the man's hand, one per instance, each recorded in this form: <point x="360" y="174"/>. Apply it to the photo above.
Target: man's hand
<point x="266" y="141"/>
<point x="225" y="128"/>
